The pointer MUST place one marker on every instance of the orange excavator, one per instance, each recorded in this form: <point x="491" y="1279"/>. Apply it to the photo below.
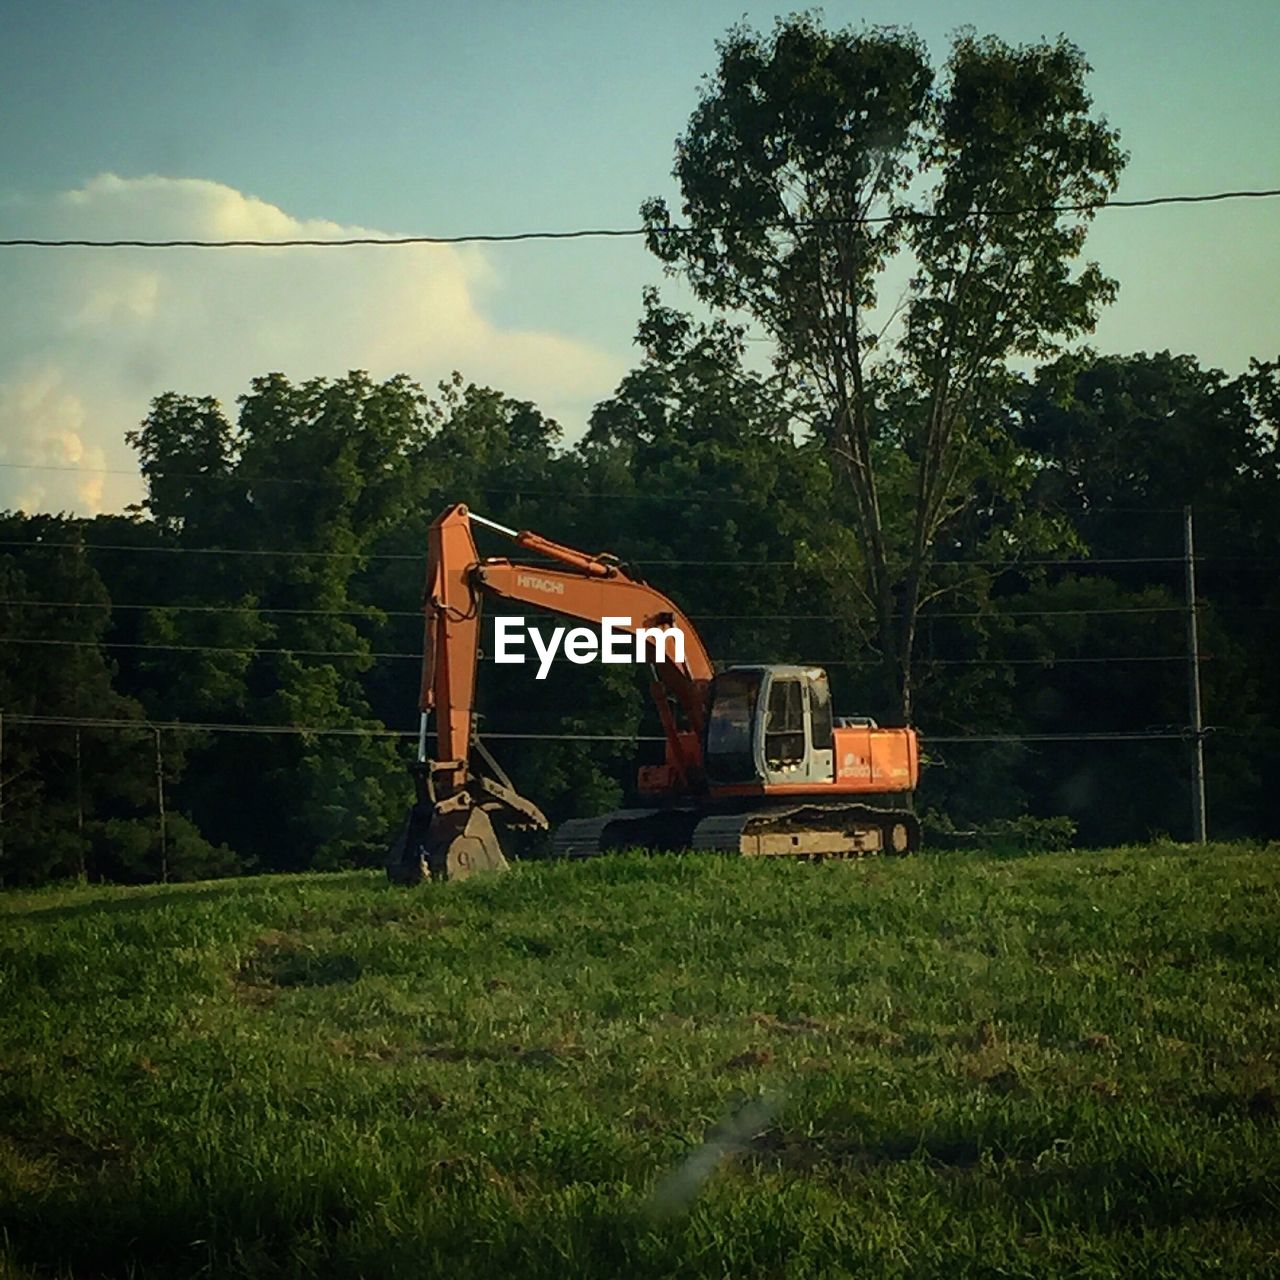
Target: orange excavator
<point x="755" y="762"/>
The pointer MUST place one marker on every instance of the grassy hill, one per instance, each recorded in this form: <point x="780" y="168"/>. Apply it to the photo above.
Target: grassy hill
<point x="955" y="1064"/>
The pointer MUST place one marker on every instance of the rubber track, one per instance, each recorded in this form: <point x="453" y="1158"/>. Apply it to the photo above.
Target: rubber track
<point x="717" y="833"/>
<point x="722" y="833"/>
<point x="581" y="837"/>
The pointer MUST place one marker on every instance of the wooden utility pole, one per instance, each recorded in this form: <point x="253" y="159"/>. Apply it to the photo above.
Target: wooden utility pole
<point x="1199" y="831"/>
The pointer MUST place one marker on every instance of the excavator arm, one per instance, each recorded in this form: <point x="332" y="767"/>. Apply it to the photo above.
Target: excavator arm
<point x="453" y="819"/>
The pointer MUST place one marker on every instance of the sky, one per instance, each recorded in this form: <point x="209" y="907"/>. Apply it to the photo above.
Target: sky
<point x="155" y="119"/>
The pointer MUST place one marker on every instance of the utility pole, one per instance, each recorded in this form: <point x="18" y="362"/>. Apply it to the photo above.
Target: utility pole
<point x="84" y="870"/>
<point x="1198" y="826"/>
<point x="164" y="842"/>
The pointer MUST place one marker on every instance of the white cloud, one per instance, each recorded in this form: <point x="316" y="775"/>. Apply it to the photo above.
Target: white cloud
<point x="129" y="296"/>
<point x="43" y="442"/>
<point x="90" y="336"/>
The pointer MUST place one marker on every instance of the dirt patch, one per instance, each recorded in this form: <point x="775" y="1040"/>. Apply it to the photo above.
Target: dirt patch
<point x="283" y="960"/>
<point x="751" y="1058"/>
<point x="1099" y="1042"/>
<point x="874" y="1037"/>
<point x="251" y="993"/>
<point x="864" y="1034"/>
<point x="346" y="1047"/>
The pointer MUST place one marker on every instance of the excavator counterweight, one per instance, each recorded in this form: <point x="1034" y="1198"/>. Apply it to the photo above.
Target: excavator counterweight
<point x="755" y="762"/>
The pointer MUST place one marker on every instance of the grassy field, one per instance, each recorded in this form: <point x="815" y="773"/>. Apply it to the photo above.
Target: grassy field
<point x="955" y="1064"/>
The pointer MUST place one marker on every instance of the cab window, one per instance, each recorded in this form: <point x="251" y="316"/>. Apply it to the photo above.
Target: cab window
<point x="821" y="723"/>
<point x="784" y="725"/>
<point x="730" y="754"/>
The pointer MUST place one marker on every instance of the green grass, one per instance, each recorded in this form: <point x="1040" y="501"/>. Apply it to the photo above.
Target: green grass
<point x="953" y="1064"/>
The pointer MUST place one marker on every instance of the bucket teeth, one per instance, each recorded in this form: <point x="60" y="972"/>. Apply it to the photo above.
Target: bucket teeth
<point x="459" y="835"/>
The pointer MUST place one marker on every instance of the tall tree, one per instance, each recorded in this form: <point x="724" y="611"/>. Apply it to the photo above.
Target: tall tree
<point x="306" y="482"/>
<point x="816" y="158"/>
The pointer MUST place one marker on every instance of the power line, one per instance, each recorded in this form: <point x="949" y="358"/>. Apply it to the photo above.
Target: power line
<point x="241" y="650"/>
<point x="373" y="613"/>
<point x="192" y="726"/>
<point x="254" y="651"/>
<point x="993" y="614"/>
<point x="1031" y="562"/>
<point x="325" y="731"/>
<point x="370" y="613"/>
<point x="600" y="233"/>
<point x="1117" y="736"/>
<point x="214" y="551"/>
<point x="970" y="662"/>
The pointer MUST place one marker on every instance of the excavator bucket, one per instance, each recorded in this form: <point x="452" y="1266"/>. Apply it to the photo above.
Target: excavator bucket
<point x="461" y="840"/>
<point x="447" y="844"/>
<point x="458" y="836"/>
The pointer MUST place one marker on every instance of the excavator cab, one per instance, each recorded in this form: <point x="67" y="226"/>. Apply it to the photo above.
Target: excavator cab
<point x="770" y="725"/>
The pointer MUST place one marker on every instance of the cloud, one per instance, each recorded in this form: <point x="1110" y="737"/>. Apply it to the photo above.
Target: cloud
<point x="95" y="334"/>
<point x="42" y="439"/>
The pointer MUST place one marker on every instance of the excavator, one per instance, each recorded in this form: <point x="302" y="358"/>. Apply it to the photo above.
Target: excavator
<point x="755" y="762"/>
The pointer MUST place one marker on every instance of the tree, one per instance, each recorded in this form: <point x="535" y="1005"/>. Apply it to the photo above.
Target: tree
<point x="817" y="158"/>
<point x="700" y="453"/>
<point x="1125" y="443"/>
<point x="187" y="453"/>
<point x="307" y="481"/>
<point x="73" y="789"/>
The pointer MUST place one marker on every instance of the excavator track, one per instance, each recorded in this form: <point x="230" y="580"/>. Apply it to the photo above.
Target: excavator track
<point x="808" y="830"/>
<point x="624" y="829"/>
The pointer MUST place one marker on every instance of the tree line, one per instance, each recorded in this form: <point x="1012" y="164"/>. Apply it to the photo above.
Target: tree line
<point x="973" y="522"/>
<point x="322" y="492"/>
